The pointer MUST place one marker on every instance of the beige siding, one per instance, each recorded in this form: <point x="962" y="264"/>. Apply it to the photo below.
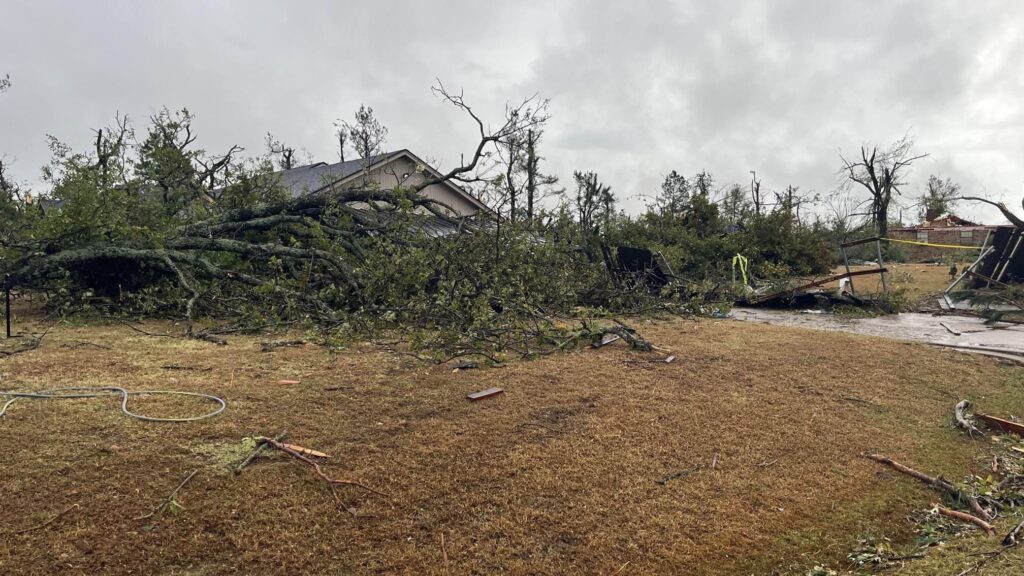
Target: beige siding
<point x="402" y="171"/>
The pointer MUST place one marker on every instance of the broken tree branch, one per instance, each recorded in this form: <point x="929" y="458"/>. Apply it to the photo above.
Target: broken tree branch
<point x="274" y="344"/>
<point x="332" y="482"/>
<point x="260" y="447"/>
<point x="30" y="344"/>
<point x="965" y="517"/>
<point x="937" y="482"/>
<point x="1013" y="537"/>
<point x="170" y="498"/>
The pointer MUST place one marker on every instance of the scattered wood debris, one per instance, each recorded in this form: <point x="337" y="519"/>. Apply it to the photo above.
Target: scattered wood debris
<point x="484" y="394"/>
<point x="670" y="359"/>
<point x="606" y="339"/>
<point x="1001" y="424"/>
<point x="289" y="382"/>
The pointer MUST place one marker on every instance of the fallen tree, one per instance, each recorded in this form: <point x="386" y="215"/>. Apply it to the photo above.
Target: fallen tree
<point x="160" y="228"/>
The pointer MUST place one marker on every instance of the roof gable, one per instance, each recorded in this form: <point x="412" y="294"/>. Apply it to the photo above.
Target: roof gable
<point x="316" y="177"/>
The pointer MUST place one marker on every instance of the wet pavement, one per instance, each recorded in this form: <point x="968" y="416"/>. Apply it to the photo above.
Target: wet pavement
<point x="918" y="327"/>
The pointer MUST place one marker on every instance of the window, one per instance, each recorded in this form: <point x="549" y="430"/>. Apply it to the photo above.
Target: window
<point x="922" y="235"/>
<point x="967" y="235"/>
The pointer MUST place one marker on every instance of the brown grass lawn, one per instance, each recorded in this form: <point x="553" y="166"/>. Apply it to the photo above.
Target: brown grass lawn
<point x="917" y="280"/>
<point x="556" y="476"/>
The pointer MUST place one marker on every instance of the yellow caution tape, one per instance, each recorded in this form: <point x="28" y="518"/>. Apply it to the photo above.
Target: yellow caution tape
<point x="934" y="245"/>
<point x="741" y="261"/>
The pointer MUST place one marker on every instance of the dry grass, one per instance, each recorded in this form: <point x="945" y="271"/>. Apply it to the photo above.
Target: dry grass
<point x="556" y="476"/>
<point x="918" y="280"/>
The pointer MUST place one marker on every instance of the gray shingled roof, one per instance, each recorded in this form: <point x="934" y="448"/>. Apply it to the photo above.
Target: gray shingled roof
<point x="306" y="179"/>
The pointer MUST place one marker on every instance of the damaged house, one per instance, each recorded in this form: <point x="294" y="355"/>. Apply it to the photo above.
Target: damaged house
<point x="384" y="171"/>
<point x="947" y="230"/>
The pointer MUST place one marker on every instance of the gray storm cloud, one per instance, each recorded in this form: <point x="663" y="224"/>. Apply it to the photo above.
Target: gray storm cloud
<point x="637" y="89"/>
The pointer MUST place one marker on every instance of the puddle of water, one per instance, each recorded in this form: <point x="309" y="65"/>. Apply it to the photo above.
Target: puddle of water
<point x="913" y="326"/>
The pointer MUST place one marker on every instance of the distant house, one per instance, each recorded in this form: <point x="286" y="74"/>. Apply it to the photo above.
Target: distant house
<point x="946" y="229"/>
<point x="384" y="171"/>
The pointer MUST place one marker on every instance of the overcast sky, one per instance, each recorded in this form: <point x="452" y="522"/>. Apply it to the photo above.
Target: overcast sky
<point x="637" y="88"/>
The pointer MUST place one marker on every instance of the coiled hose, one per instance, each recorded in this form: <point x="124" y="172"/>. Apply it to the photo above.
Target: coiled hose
<point x="97" y="391"/>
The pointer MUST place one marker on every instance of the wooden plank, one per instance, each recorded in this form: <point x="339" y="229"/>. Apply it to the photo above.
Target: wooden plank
<point x="1004" y="425"/>
<point x="815" y="283"/>
<point x="858" y="242"/>
<point x="484" y="394"/>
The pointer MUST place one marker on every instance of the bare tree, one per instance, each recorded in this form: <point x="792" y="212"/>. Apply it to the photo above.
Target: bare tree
<point x="881" y="173"/>
<point x="755" y="193"/>
<point x="341" y="133"/>
<point x="534" y="178"/>
<point x="285" y="154"/>
<point x="5" y="83"/>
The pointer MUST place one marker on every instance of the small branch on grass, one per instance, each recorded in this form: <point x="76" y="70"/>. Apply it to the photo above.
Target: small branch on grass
<point x="444" y="553"/>
<point x="260" y="447"/>
<point x="937" y="482"/>
<point x="1009" y="541"/>
<point x="207" y="337"/>
<point x="1012" y="478"/>
<point x="189" y="368"/>
<point x="30" y="344"/>
<point x="680" y="474"/>
<point x="47" y="523"/>
<point x="84" y="343"/>
<point x="862" y="401"/>
<point x="332" y="482"/>
<point x="1013" y="538"/>
<point x="537" y="424"/>
<point x="274" y="344"/>
<point x="146" y="332"/>
<point x="170" y="498"/>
